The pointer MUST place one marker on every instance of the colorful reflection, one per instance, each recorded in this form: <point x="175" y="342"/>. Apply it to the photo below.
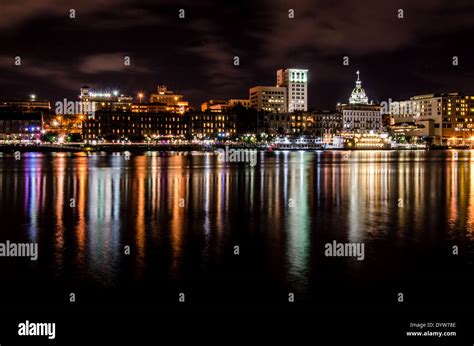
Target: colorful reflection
<point x="182" y="214"/>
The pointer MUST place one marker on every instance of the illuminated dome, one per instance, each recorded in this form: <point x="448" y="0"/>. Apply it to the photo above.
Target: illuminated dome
<point x="358" y="94"/>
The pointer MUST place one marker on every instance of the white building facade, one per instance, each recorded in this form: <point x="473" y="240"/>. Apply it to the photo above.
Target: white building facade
<point x="296" y="83"/>
<point x="359" y="115"/>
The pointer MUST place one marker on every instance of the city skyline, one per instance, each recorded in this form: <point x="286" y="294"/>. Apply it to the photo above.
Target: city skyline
<point x="195" y="54"/>
<point x="144" y="95"/>
<point x="257" y="161"/>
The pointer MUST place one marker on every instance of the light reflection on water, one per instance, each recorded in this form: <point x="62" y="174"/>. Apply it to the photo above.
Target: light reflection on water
<point x="182" y="214"/>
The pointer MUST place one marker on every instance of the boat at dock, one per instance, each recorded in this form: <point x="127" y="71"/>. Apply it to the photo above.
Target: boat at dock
<point x="300" y="143"/>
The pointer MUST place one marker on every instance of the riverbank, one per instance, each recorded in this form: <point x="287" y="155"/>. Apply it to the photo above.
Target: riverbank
<point x="139" y="147"/>
<point x="79" y="147"/>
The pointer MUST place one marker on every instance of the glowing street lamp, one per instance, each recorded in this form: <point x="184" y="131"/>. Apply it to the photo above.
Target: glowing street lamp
<point x="140" y="96"/>
<point x="32" y="97"/>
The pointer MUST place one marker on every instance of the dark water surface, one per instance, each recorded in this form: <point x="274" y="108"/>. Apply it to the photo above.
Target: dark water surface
<point x="182" y="215"/>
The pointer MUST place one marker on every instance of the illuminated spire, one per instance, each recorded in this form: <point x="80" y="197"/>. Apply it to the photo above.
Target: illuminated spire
<point x="358" y="94"/>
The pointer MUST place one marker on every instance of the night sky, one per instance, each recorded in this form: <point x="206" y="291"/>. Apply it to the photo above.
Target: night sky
<point x="398" y="58"/>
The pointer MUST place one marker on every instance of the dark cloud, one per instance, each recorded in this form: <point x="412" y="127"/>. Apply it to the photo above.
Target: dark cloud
<point x="218" y="60"/>
<point x="110" y="62"/>
<point x="397" y="57"/>
<point x="42" y="72"/>
<point x="18" y="12"/>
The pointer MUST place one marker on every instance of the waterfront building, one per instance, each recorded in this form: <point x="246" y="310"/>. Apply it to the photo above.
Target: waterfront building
<point x="318" y="123"/>
<point x="116" y="125"/>
<point x="452" y="114"/>
<point x="329" y="122"/>
<point x="291" y="123"/>
<point x="359" y="115"/>
<point x="209" y="125"/>
<point x="17" y="124"/>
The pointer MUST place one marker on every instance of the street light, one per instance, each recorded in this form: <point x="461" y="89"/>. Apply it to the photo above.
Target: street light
<point x="140" y="97"/>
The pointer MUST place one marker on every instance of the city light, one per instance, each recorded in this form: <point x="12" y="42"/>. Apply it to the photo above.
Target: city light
<point x="175" y="158"/>
<point x="100" y="94"/>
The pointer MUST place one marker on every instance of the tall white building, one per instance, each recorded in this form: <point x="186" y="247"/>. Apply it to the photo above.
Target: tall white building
<point x="296" y="83"/>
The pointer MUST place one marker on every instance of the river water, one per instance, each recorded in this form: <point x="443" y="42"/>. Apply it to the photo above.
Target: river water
<point x="146" y="228"/>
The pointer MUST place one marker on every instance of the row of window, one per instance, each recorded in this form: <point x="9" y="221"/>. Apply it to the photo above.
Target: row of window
<point x="363" y="113"/>
<point x="362" y="126"/>
<point x="460" y="126"/>
<point x="310" y="125"/>
<point x="363" y="119"/>
<point x="143" y="125"/>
